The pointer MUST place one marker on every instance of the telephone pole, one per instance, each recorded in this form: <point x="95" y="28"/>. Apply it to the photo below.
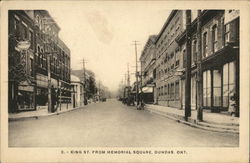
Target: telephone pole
<point x="188" y="66"/>
<point x="199" y="71"/>
<point x="128" y="75"/>
<point x="136" y="72"/>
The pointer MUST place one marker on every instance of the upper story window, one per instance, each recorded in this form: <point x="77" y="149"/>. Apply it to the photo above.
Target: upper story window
<point x="16" y="23"/>
<point x="194" y="51"/>
<point x="184" y="58"/>
<point x="24" y="31"/>
<point x="204" y="44"/>
<point x="214" y="38"/>
<point x="227" y="33"/>
<point x="31" y="38"/>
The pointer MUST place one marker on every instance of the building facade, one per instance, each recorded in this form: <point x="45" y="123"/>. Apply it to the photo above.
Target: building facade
<point x="47" y="60"/>
<point x="77" y="92"/>
<point x="147" y="60"/>
<point x="217" y="41"/>
<point x="169" y="60"/>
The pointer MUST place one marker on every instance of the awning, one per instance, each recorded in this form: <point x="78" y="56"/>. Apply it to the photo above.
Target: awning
<point x="147" y="89"/>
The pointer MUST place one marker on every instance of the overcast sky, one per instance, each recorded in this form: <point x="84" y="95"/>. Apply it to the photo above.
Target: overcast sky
<point x="103" y="34"/>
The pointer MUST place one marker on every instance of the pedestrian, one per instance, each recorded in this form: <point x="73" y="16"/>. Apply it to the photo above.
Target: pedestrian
<point x="232" y="105"/>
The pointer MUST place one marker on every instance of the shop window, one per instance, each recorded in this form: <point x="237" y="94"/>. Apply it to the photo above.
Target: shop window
<point x="228" y="82"/>
<point x="193" y="90"/>
<point x="216" y="88"/>
<point x="207" y="88"/>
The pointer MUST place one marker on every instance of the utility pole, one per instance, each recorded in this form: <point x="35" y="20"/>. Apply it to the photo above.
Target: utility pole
<point x="199" y="71"/>
<point x="136" y="73"/>
<point x="128" y="75"/>
<point x="49" y="84"/>
<point x="188" y="66"/>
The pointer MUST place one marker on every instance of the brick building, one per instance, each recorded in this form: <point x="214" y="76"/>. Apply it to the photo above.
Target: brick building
<point x="219" y="44"/>
<point x="169" y="60"/>
<point x="147" y="60"/>
<point x="47" y="59"/>
<point x="220" y="58"/>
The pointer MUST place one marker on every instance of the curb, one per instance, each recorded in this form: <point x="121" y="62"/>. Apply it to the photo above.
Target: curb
<point x="40" y="116"/>
<point x="193" y="123"/>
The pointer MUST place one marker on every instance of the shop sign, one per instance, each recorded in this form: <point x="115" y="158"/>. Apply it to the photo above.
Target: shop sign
<point x="22" y="45"/>
<point x="27" y="88"/>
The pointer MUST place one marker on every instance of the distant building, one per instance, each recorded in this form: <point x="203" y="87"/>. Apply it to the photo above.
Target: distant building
<point x="77" y="92"/>
<point x="147" y="60"/>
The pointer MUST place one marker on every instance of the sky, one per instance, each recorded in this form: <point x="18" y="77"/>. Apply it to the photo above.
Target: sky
<point x="103" y="34"/>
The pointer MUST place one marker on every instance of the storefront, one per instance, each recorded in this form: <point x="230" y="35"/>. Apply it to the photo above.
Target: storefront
<point x="220" y="81"/>
<point x="148" y="94"/>
<point x="25" y="98"/>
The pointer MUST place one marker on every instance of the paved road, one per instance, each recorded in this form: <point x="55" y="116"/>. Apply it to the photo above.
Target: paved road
<point x="112" y="124"/>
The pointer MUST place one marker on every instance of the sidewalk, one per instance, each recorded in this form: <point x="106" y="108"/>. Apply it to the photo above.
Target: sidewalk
<point x="40" y="112"/>
<point x="211" y="121"/>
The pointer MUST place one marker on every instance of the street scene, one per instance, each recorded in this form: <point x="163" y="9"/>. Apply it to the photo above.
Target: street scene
<point x="112" y="124"/>
<point x="85" y="78"/>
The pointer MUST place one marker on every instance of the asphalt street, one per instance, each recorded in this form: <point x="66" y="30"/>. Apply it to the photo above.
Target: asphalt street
<point x="112" y="124"/>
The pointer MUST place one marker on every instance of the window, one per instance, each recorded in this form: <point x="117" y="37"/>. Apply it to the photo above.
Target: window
<point x="168" y="91"/>
<point x="204" y="45"/>
<point x="228" y="82"/>
<point x="227" y="33"/>
<point x="214" y="38"/>
<point x="31" y="38"/>
<point x="207" y="88"/>
<point x="16" y="24"/>
<point x="177" y="63"/>
<point x="165" y="90"/>
<point x="24" y="31"/>
<point x="184" y="58"/>
<point x="172" y="91"/>
<point x="177" y="90"/>
<point x="172" y="66"/>
<point x="216" y="88"/>
<point x="194" y="52"/>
